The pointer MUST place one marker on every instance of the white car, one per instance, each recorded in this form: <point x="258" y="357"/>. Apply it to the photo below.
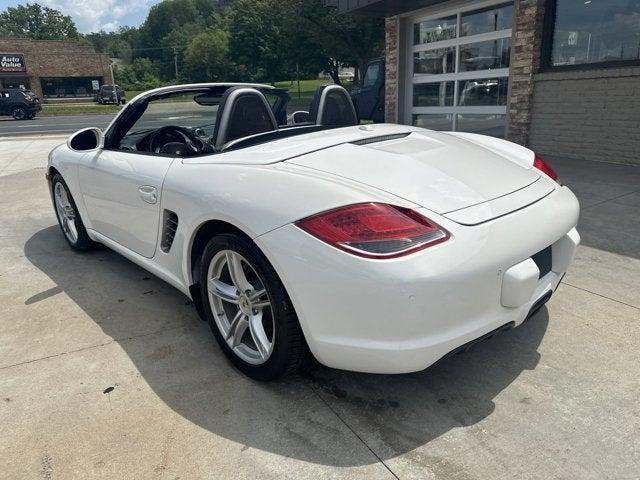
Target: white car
<point x="374" y="248"/>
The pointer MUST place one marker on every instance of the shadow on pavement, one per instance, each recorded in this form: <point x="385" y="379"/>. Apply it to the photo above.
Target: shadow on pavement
<point x="609" y="196"/>
<point x="184" y="367"/>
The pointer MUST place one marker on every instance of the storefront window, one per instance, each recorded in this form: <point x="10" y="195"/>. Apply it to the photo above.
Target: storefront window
<point x="434" y="121"/>
<point x="492" y="124"/>
<point x="438" y="94"/>
<point x="433" y="62"/>
<point x="60" y="87"/>
<point x="489" y="19"/>
<point x="16" y="82"/>
<point x="435" y="30"/>
<point x="485" y="55"/>
<point x="485" y="92"/>
<point x="595" y="31"/>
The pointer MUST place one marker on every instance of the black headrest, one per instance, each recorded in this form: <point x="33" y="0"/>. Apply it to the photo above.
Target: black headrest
<point x="242" y="112"/>
<point x="332" y="107"/>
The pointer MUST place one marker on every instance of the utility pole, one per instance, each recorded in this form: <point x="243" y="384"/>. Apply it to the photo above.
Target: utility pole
<point x="175" y="61"/>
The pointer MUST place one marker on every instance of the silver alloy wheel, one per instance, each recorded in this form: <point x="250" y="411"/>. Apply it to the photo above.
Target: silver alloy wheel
<point x="241" y="307"/>
<point x="66" y="213"/>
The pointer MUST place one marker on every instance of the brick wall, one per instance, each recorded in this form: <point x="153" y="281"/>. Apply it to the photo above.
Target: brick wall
<point x="526" y="46"/>
<point x="52" y="58"/>
<point x="592" y="114"/>
<point x="391" y="69"/>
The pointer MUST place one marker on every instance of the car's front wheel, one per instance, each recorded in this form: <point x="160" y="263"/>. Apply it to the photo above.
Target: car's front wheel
<point x="249" y="310"/>
<point x="19" y="113"/>
<point x="68" y="217"/>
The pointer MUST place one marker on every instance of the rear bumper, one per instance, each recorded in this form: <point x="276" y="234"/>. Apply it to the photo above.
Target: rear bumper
<point x="402" y="315"/>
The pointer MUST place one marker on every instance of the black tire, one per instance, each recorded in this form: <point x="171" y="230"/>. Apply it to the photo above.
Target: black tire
<point x="83" y="242"/>
<point x="31" y="116"/>
<point x="19" y="113"/>
<point x="290" y="351"/>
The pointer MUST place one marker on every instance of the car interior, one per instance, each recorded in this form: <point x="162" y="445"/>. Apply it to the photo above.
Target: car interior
<point x="216" y="119"/>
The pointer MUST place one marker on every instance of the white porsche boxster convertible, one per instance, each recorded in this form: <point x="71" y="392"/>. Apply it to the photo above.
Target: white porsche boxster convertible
<point x="374" y="248"/>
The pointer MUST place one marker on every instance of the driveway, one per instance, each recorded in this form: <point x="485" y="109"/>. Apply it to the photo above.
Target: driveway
<point x="107" y="372"/>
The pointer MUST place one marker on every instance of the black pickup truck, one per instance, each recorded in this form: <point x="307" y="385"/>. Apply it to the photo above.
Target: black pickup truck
<point x="20" y="104"/>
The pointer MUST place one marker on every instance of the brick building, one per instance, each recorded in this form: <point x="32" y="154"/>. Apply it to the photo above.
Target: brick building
<point x="560" y="76"/>
<point x="52" y="69"/>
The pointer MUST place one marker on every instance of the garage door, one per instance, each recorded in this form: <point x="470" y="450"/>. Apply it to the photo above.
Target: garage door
<point x="458" y="71"/>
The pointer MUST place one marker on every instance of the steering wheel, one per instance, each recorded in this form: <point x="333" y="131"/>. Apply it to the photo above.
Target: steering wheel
<point x="174" y="134"/>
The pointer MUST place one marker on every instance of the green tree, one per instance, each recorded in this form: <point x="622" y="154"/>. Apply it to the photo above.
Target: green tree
<point x="206" y="58"/>
<point x="274" y="38"/>
<point x="37" y="22"/>
<point x="343" y="39"/>
<point x="258" y="38"/>
<point x="141" y="74"/>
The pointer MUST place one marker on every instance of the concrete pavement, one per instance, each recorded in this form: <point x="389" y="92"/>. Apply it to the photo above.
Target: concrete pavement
<point x="106" y="372"/>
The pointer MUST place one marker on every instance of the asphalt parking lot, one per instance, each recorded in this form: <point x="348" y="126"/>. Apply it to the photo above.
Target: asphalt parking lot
<point x="107" y="372"/>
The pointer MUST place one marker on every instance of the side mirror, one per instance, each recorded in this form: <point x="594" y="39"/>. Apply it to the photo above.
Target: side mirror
<point x="86" y="139"/>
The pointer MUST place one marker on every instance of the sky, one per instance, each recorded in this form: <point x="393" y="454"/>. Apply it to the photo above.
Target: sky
<point x="94" y="15"/>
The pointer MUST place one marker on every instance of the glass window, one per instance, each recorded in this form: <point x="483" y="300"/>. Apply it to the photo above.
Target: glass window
<point x="68" y="86"/>
<point x="486" y="92"/>
<point x="433" y="62"/>
<point x="438" y="94"/>
<point x="594" y="31"/>
<point x="438" y="121"/>
<point x="493" y="125"/>
<point x="372" y="74"/>
<point x="486" y="20"/>
<point x="178" y="109"/>
<point x="435" y="30"/>
<point x="485" y="55"/>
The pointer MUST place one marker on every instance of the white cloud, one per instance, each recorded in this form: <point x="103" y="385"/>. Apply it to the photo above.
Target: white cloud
<point x="92" y="15"/>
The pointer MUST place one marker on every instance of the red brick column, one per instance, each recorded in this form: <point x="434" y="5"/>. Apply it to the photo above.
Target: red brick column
<point x="391" y="69"/>
<point x="526" y="44"/>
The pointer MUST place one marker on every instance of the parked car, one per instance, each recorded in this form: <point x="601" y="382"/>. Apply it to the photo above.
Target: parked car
<point x="374" y="248"/>
<point x="111" y="94"/>
<point x="368" y="99"/>
<point x="20" y="104"/>
<point x="346" y="76"/>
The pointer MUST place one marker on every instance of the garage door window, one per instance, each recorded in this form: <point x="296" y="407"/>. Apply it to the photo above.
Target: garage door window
<point x="459" y="69"/>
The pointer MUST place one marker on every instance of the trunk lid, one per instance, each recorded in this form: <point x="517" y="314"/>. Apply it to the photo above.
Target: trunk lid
<point x="437" y="171"/>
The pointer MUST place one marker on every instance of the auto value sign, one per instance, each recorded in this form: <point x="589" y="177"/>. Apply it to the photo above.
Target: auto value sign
<point x="12" y="62"/>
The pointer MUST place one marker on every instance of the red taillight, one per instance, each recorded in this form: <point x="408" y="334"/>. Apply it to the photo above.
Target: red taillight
<point x="543" y="166"/>
<point x="374" y="230"/>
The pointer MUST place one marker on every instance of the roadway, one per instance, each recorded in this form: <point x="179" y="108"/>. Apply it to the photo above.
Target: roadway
<point x="48" y="125"/>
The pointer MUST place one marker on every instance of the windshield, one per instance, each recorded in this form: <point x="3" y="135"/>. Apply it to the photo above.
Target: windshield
<point x="178" y="110"/>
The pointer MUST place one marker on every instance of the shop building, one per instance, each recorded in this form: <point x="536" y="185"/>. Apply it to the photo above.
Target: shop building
<point x="53" y="69"/>
<point x="560" y="76"/>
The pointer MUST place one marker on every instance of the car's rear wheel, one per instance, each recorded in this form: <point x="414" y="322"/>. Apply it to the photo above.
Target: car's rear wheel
<point x="68" y="217"/>
<point x="19" y="113"/>
<point x="249" y="310"/>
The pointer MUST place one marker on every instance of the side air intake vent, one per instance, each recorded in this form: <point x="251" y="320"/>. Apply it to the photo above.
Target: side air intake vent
<point x="381" y="138"/>
<point x="169" y="227"/>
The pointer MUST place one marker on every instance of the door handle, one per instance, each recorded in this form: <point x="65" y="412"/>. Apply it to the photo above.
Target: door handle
<point x="148" y="193"/>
